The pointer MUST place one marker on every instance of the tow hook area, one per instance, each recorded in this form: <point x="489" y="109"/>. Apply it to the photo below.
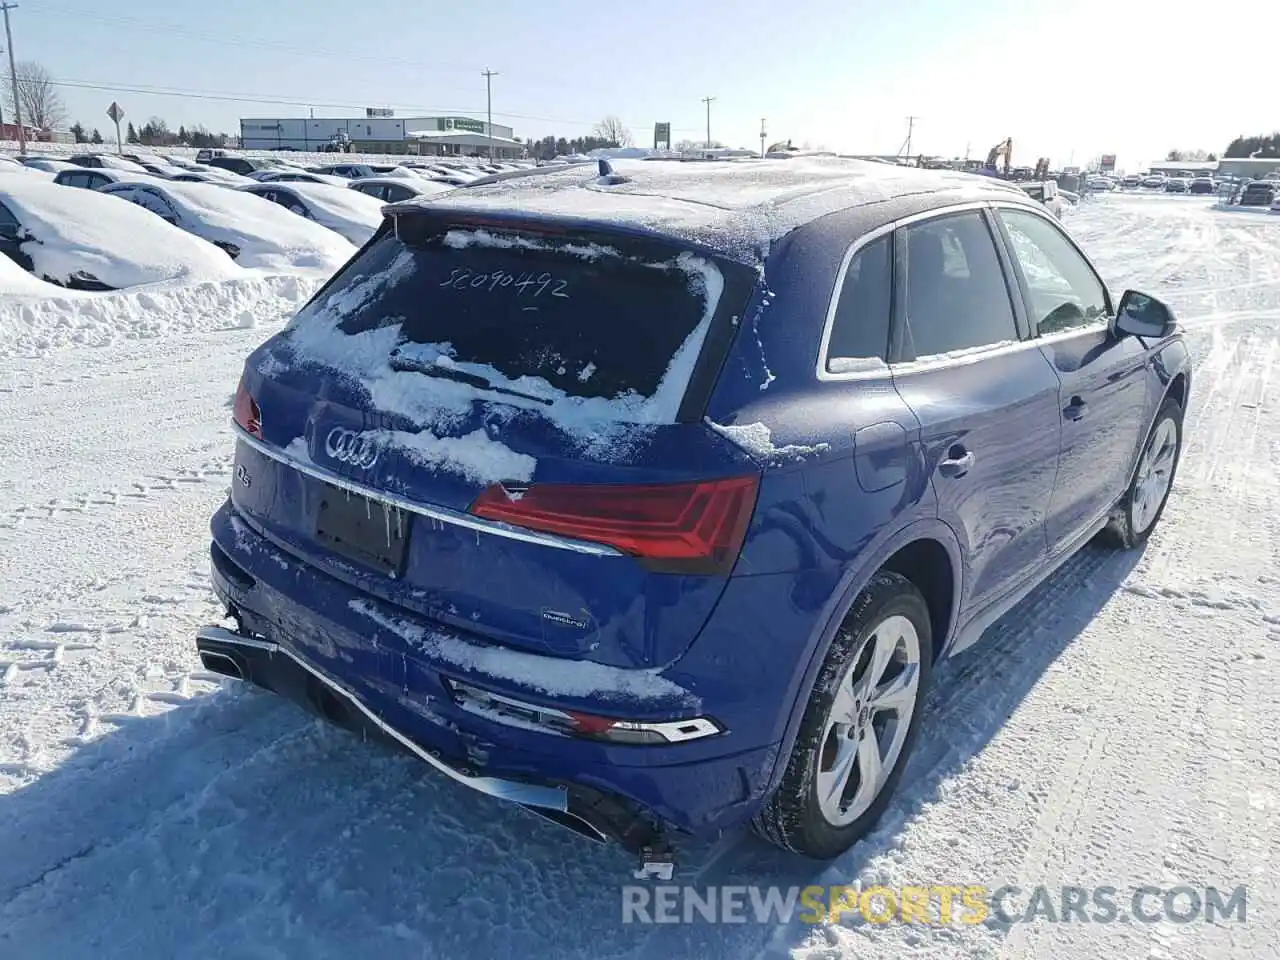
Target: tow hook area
<point x="657" y="862"/>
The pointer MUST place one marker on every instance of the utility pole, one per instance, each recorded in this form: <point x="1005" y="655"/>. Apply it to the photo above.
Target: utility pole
<point x="762" y="136"/>
<point x="488" y="86"/>
<point x="13" y="76"/>
<point x="707" y="101"/>
<point x="911" y="126"/>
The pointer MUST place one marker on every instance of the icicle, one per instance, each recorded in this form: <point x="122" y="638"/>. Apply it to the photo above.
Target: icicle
<point x="368" y="509"/>
<point x="399" y="524"/>
<point x="386" y="520"/>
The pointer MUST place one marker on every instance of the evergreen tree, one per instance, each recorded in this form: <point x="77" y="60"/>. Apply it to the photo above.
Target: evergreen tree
<point x="95" y="137"/>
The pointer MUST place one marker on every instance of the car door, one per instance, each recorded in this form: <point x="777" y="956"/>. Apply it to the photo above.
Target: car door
<point x="1102" y="392"/>
<point x="985" y="397"/>
<point x="11" y="236"/>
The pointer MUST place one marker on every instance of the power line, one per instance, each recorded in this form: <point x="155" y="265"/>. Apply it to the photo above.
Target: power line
<point x="707" y="101"/>
<point x="286" y="101"/>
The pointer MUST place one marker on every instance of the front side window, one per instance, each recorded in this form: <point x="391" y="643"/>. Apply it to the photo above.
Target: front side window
<point x="957" y="298"/>
<point x="9" y="226"/>
<point x="860" y="328"/>
<point x="1065" y="292"/>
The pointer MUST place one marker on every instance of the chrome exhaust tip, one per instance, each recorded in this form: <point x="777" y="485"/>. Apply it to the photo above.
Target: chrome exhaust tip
<point x="222" y="663"/>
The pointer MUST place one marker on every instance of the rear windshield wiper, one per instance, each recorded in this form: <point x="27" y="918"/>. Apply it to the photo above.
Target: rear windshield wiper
<point x="432" y="369"/>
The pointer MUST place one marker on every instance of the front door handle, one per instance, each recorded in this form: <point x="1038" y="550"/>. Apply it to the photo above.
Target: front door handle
<point x="956" y="465"/>
<point x="1076" y="409"/>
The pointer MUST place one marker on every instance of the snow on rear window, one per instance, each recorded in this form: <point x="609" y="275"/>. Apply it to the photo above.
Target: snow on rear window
<point x="581" y="331"/>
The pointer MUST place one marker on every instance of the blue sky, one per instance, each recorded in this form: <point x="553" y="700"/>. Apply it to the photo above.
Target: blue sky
<point x="1119" y="76"/>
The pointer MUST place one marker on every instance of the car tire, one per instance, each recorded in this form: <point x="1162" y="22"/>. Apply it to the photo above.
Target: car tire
<point x="1142" y="505"/>
<point x="814" y="812"/>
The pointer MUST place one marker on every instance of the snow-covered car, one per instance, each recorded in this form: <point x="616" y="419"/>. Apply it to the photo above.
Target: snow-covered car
<point x="1259" y="193"/>
<point x="345" y="211"/>
<point x="1202" y="185"/>
<point x="1177" y="185"/>
<point x="49" y="165"/>
<point x="87" y="241"/>
<point x="350" y="171"/>
<point x="395" y="189"/>
<point x="253" y="231"/>
<point x="90" y="179"/>
<point x="9" y="166"/>
<point x="300" y="176"/>
<point x="105" y="161"/>
<point x="1154" y="182"/>
<point x="1131" y="180"/>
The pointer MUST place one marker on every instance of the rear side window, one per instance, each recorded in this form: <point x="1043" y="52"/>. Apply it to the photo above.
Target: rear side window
<point x="544" y="315"/>
<point x="860" y="328"/>
<point x="956" y="293"/>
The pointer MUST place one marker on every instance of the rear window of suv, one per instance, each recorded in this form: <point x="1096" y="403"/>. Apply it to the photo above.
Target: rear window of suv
<point x="546" y="315"/>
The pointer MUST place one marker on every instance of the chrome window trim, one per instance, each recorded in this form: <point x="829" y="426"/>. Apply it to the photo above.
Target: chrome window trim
<point x="437" y="513"/>
<point x="889" y="370"/>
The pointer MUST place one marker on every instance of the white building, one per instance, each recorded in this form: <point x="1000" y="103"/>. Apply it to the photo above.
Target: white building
<point x="379" y="132"/>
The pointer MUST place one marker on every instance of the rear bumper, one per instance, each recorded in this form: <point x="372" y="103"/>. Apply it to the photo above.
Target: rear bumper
<point x="343" y="654"/>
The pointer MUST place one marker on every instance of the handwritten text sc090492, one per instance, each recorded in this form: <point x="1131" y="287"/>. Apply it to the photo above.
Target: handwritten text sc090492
<point x="526" y="284"/>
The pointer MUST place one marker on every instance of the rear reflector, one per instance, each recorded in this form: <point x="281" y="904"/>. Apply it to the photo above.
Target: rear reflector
<point x="247" y="414"/>
<point x="671" y="527"/>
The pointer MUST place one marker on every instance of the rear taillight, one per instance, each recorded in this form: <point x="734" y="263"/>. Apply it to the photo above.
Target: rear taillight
<point x="672" y="527"/>
<point x="247" y="414"/>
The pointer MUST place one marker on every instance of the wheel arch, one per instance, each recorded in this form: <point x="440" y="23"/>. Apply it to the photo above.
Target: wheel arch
<point x="919" y="546"/>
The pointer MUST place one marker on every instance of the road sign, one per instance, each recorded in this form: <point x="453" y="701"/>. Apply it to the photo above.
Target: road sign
<point x="115" y="112"/>
<point x="1108" y="163"/>
<point x="662" y="134"/>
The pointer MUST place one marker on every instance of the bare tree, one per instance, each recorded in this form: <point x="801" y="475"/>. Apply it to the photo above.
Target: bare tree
<point x="42" y="105"/>
<point x="614" y="130"/>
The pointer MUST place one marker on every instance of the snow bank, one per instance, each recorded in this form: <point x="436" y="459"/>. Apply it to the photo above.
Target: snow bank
<point x="549" y="675"/>
<point x="80" y="231"/>
<point x="33" y="322"/>
<point x="268" y="235"/>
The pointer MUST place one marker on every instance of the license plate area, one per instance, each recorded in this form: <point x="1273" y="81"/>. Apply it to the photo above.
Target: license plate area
<point x="367" y="531"/>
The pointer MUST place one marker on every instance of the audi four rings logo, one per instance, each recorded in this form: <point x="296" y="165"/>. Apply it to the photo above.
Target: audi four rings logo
<point x="347" y="446"/>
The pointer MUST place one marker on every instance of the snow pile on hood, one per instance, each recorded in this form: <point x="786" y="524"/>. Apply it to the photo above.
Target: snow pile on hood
<point x="71" y="230"/>
<point x="349" y="212"/>
<point x="365" y="357"/>
<point x="22" y="170"/>
<point x="268" y="235"/>
<point x="36" y="317"/>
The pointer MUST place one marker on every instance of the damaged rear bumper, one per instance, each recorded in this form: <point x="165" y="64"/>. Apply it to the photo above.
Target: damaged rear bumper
<point x="309" y="637"/>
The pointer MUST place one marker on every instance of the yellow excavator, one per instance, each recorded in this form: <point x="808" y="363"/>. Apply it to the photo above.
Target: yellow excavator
<point x="1002" y="150"/>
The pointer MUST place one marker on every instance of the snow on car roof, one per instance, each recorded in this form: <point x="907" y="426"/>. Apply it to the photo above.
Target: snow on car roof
<point x="340" y="202"/>
<point x="118" y="243"/>
<point x="423" y="186"/>
<point x="267" y="234"/>
<point x="734" y="204"/>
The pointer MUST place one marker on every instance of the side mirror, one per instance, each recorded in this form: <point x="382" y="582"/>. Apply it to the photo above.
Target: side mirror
<point x="1142" y="316"/>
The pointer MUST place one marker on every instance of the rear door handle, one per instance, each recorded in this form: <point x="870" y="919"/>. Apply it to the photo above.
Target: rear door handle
<point x="1076" y="409"/>
<point x="956" y="466"/>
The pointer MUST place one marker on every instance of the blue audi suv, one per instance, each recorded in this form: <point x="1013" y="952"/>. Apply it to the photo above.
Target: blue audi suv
<point x="646" y="496"/>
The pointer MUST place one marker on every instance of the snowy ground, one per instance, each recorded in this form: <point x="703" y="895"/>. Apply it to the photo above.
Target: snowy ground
<point x="1120" y="727"/>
